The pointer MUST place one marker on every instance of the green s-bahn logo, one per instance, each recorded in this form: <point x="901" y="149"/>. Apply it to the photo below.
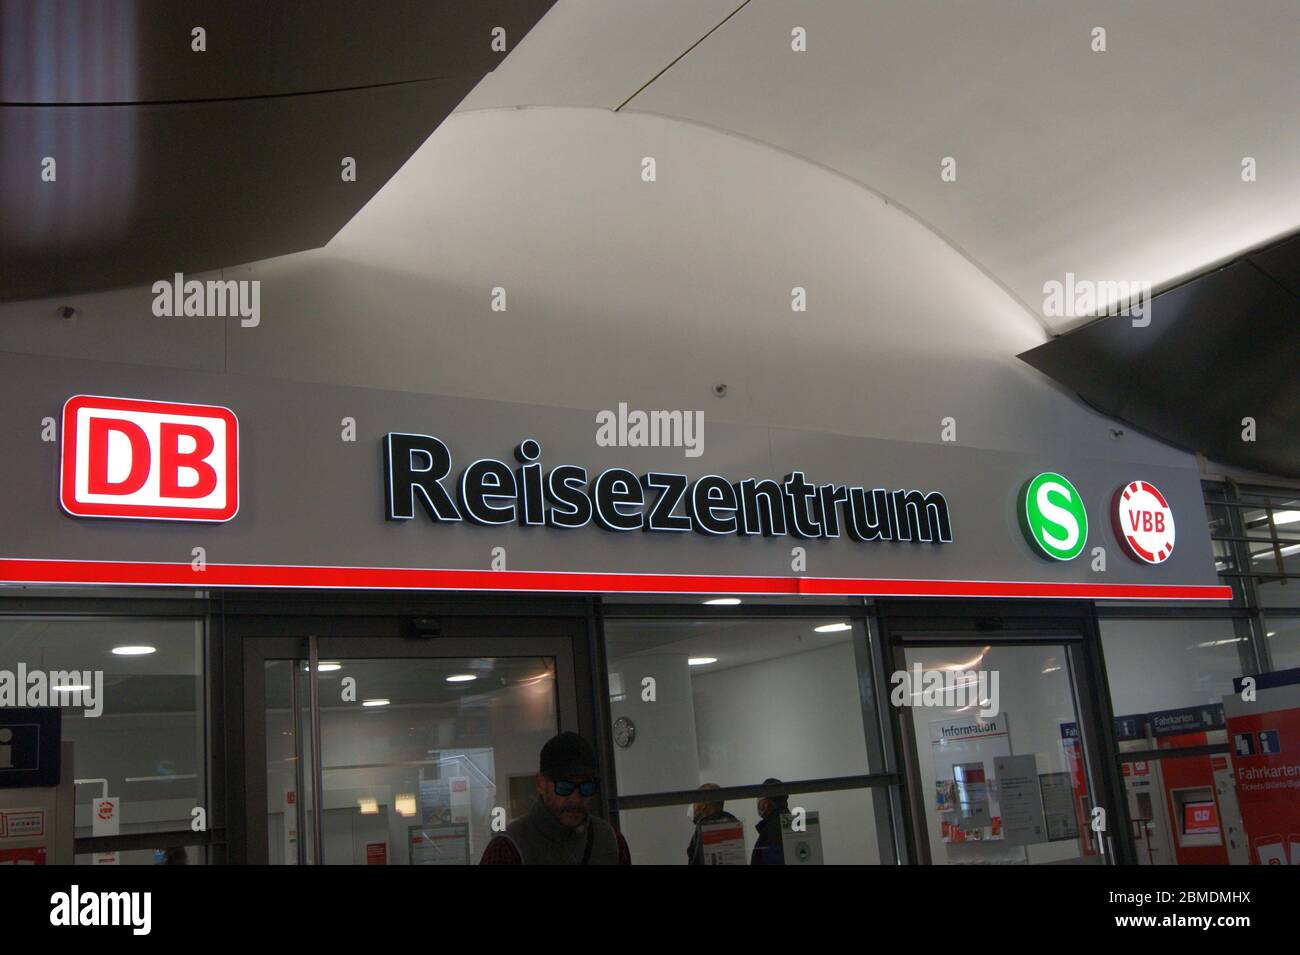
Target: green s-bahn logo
<point x="1053" y="517"/>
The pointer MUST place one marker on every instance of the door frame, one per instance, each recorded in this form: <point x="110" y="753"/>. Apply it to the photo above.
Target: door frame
<point x="1071" y="624"/>
<point x="256" y="629"/>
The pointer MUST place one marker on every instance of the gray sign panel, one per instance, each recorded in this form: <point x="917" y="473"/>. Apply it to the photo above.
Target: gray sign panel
<point x="309" y="498"/>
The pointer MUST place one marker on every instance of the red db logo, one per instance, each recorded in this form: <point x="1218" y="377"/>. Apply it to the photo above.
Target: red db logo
<point x="1144" y="522"/>
<point x="152" y="460"/>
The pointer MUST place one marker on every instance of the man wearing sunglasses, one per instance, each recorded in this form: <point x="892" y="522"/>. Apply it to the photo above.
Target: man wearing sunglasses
<point x="558" y="829"/>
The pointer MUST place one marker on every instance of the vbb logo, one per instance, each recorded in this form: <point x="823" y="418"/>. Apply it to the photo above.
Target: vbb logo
<point x="153" y="460"/>
<point x="1143" y="522"/>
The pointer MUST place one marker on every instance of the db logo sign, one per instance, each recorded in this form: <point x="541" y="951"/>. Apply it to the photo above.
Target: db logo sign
<point x="152" y="460"/>
<point x="1144" y="522"/>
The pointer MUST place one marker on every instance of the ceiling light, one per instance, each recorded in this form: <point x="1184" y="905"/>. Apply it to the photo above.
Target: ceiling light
<point x="833" y="627"/>
<point x="328" y="667"/>
<point x="70" y="688"/>
<point x="134" y="651"/>
<point x="461" y="678"/>
<point x="701" y="661"/>
<point x="1270" y="553"/>
<point x="405" y="804"/>
<point x="369" y="805"/>
<point x="973" y="661"/>
<point x="1286" y="517"/>
<point x="722" y="602"/>
<point x="378" y="702"/>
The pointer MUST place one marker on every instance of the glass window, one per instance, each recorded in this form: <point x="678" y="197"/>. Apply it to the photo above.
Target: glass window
<point x="735" y="702"/>
<point x="664" y="835"/>
<point x="1283" y="635"/>
<point x="1274" y="554"/>
<point x="178" y="855"/>
<point x="138" y="730"/>
<point x="1003" y="779"/>
<point x="416" y="755"/>
<point x="1156" y="665"/>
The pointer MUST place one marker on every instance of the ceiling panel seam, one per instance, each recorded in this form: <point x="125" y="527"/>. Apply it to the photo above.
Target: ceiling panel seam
<point x="677" y="59"/>
<point x="230" y="99"/>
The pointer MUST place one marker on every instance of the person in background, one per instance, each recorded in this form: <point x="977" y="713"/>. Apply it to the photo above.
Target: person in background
<point x="701" y="813"/>
<point x="558" y="829"/>
<point x="768" y="849"/>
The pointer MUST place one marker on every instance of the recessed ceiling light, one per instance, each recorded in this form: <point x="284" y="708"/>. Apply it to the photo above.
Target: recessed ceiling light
<point x="701" y="661"/>
<point x="134" y="651"/>
<point x="461" y="678"/>
<point x="1270" y="554"/>
<point x="722" y="602"/>
<point x="328" y="667"/>
<point x="368" y="806"/>
<point x="379" y="702"/>
<point x="833" y="627"/>
<point x="71" y="688"/>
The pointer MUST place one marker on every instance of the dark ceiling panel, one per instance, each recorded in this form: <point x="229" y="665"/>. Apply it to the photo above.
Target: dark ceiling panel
<point x="1220" y="348"/>
<point x="146" y="191"/>
<point x="1281" y="263"/>
<point x="133" y="51"/>
<point x="168" y="160"/>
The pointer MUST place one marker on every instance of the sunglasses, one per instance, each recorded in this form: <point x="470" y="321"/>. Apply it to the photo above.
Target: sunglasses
<point x="565" y="788"/>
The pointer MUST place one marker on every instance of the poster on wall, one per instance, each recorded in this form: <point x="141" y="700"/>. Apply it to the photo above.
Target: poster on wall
<point x="435" y="801"/>
<point x="105" y="820"/>
<point x="1264" y="739"/>
<point x="1072" y="753"/>
<point x="802" y="845"/>
<point x="965" y="796"/>
<point x="1058" y="806"/>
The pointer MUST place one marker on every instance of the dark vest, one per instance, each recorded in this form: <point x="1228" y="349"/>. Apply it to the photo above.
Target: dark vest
<point x="542" y="840"/>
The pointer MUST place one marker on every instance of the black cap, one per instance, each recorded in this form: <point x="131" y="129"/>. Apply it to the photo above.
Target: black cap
<point x="568" y="755"/>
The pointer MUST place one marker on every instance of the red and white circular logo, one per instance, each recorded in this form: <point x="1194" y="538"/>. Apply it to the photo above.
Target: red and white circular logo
<point x="1143" y="522"/>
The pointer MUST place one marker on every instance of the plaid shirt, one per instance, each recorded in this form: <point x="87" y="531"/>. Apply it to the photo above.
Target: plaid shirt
<point x="501" y="851"/>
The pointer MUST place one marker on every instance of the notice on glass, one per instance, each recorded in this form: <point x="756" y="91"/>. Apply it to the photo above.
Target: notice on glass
<point x="440" y="845"/>
<point x="723" y="843"/>
<point x="1058" y="806"/>
<point x="1020" y="800"/>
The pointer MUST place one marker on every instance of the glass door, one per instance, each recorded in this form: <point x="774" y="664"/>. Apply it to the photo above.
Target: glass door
<point x="391" y="751"/>
<point x="1000" y="728"/>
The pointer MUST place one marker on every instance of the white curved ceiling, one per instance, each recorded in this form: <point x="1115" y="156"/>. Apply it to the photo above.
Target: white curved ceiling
<point x="1117" y="166"/>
